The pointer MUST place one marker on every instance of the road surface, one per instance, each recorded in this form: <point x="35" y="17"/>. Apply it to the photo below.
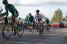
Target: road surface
<point x="55" y="36"/>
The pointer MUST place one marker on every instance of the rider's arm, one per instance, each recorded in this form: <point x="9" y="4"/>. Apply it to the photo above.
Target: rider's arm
<point x="36" y="18"/>
<point x="6" y="11"/>
<point x="43" y="17"/>
<point x="1" y="10"/>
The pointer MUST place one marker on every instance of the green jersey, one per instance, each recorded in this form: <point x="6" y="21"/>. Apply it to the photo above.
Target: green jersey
<point x="11" y="9"/>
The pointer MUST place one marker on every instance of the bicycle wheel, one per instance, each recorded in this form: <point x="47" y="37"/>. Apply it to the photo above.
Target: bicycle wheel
<point x="7" y="31"/>
<point x="41" y="29"/>
<point x="20" y="32"/>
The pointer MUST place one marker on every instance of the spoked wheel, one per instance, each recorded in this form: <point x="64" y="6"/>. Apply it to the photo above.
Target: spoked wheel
<point x="7" y="31"/>
<point x="20" y="32"/>
<point x="41" y="29"/>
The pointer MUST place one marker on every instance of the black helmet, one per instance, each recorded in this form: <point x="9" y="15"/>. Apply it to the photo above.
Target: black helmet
<point x="37" y="11"/>
<point x="4" y="1"/>
<point x="30" y="14"/>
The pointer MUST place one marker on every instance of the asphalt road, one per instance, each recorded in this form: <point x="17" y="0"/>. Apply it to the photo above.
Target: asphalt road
<point x="55" y="36"/>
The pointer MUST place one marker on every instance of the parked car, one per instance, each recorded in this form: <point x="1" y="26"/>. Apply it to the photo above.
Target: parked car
<point x="61" y="24"/>
<point x="54" y="24"/>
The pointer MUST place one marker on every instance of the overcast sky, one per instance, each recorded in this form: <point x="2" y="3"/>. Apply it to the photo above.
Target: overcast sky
<point x="38" y="2"/>
<point x="47" y="7"/>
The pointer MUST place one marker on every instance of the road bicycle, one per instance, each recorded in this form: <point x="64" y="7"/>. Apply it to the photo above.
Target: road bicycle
<point x="10" y="29"/>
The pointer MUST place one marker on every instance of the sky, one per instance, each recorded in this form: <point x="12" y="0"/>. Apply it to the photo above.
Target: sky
<point x="46" y="7"/>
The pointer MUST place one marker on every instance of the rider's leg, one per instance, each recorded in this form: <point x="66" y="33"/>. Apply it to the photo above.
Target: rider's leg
<point x="6" y="20"/>
<point x="42" y="27"/>
<point x="14" y="18"/>
<point x="48" y="26"/>
<point x="14" y="23"/>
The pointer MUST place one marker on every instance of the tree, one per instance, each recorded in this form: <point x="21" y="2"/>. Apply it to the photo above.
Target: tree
<point x="57" y="16"/>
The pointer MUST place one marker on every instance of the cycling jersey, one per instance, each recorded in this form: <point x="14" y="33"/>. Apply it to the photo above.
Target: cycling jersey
<point x="12" y="9"/>
<point x="39" y="17"/>
<point x="31" y="19"/>
<point x="47" y="21"/>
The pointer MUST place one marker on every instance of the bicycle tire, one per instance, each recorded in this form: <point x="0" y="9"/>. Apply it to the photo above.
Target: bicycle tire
<point x="20" y="32"/>
<point x="5" y="31"/>
<point x="41" y="30"/>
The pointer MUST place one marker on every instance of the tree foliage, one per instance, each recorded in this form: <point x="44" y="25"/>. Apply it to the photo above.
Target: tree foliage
<point x="57" y="16"/>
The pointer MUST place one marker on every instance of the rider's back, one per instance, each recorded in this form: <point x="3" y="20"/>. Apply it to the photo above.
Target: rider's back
<point x="11" y="8"/>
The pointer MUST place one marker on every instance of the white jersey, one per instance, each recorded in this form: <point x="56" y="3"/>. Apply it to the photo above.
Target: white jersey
<point x="40" y="16"/>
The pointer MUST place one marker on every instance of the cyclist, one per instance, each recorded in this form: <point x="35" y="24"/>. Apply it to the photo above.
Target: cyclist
<point x="13" y="10"/>
<point x="39" y="19"/>
<point x="31" y="18"/>
<point x="47" y="22"/>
